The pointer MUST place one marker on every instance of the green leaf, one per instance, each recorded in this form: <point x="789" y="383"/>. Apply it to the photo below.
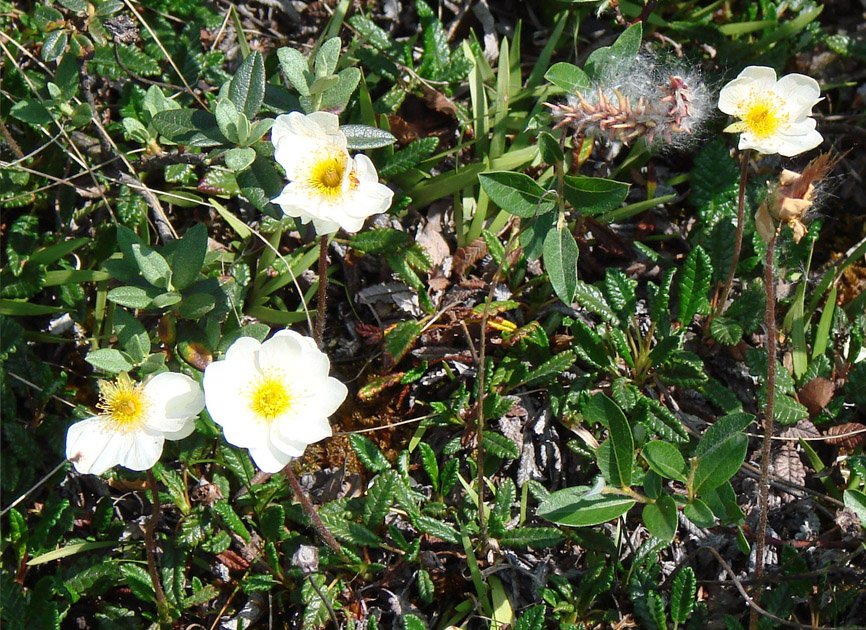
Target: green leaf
<point x="593" y="300"/>
<point x="379" y="498"/>
<point x="192" y="127"/>
<point x="560" y="260"/>
<point x="665" y="459"/>
<point x="787" y="410"/>
<point x="132" y="335"/>
<point x="428" y="460"/>
<point x="620" y="292"/>
<point x="411" y="622"/>
<point x="138" y="581"/>
<point x="239" y="158"/>
<point x="54" y="45"/>
<point x="297" y="69"/>
<point x="572" y="506"/>
<point x="531" y="619"/>
<point x="153" y="267"/>
<point x="368" y="453"/>
<point x="699" y="513"/>
<point x="364" y="137"/>
<point x="624" y="49"/>
<point x="855" y="500"/>
<point x="550" y="369"/>
<point x="660" y="518"/>
<point x="516" y="193"/>
<point x="589" y="346"/>
<point x="499" y="445"/>
<point x="682" y="369"/>
<point x="186" y="256"/>
<point x="247" y="87"/>
<point x="430" y="525"/>
<point x="683" y="590"/>
<point x="409" y="157"/>
<point x="260" y="182"/>
<point x="549" y="148"/>
<point x="694" y="284"/>
<point x="131" y="297"/>
<point x="603" y="410"/>
<point x="721" y="451"/>
<point x="426" y="590"/>
<point x="30" y="110"/>
<point x="379" y="241"/>
<point x="273" y="523"/>
<point x="567" y="77"/>
<point x="726" y="331"/>
<point x="228" y="120"/>
<point x="532" y="537"/>
<point x="258" y="583"/>
<point x="594" y="195"/>
<point x="337" y="97"/>
<point x="659" y="418"/>
<point x="231" y="518"/>
<point x="109" y="360"/>
<point x="400" y="338"/>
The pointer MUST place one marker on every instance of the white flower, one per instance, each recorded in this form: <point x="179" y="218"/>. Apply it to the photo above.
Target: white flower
<point x="273" y="398"/>
<point x="774" y="115"/>
<point x="134" y="421"/>
<point x="326" y="185"/>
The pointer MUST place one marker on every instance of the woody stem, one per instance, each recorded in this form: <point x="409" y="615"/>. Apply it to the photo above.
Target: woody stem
<point x="150" y="545"/>
<point x="738" y="241"/>
<point x="305" y="502"/>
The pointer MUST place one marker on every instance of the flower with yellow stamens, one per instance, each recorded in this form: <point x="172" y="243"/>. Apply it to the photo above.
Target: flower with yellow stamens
<point x="326" y="185"/>
<point x="273" y="398"/>
<point x="133" y="423"/>
<point x="774" y="116"/>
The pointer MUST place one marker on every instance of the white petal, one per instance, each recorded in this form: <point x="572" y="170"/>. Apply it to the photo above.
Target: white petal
<point x="225" y="399"/>
<point x="767" y="146"/>
<point x="281" y="352"/>
<point x="326" y="398"/>
<point x="243" y="353"/>
<point x="307" y="343"/>
<point x="185" y="429"/>
<point x="791" y="144"/>
<point x="140" y="451"/>
<point x="89" y="446"/>
<point x="269" y="459"/>
<point x="764" y="78"/>
<point x="326" y="226"/>
<point x="734" y="94"/>
<point x="300" y="431"/>
<point x="799" y="92"/>
<point x="174" y="398"/>
<point x="296" y="137"/>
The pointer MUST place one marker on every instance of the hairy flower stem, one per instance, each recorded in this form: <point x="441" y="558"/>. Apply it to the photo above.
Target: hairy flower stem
<point x="769" y="411"/>
<point x="150" y="545"/>
<point x="305" y="502"/>
<point x="323" y="289"/>
<point x="738" y="242"/>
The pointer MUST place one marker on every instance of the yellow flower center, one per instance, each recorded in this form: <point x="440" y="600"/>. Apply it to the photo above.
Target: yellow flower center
<point x="764" y="115"/>
<point x="327" y="176"/>
<point x="123" y="402"/>
<point x="270" y="397"/>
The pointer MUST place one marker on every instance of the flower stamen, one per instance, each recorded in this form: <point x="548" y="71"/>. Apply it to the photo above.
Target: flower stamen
<point x="124" y="402"/>
<point x="270" y="397"/>
<point x="764" y="115"/>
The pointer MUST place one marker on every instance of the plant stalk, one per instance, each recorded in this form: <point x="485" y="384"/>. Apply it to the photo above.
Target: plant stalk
<point x="150" y="545"/>
<point x="305" y="502"/>
<point x="769" y="415"/>
<point x="321" y="302"/>
<point x="738" y="241"/>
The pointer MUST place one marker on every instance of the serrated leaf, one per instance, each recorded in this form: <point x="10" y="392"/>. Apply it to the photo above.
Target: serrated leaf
<point x="714" y="180"/>
<point x="379" y="241"/>
<point x="620" y="291"/>
<point x="138" y="581"/>
<point x="593" y="300"/>
<point x="532" y="537"/>
<point x="694" y="284"/>
<point x="409" y="157"/>
<point x="589" y="346"/>
<point x="273" y="522"/>
<point x="516" y="193"/>
<point x="228" y="515"/>
<point x="550" y="369"/>
<point x="428" y="460"/>
<point x="660" y="419"/>
<point x="683" y="590"/>
<point x="247" y="86"/>
<point x="368" y="453"/>
<point x="786" y="410"/>
<point x="379" y="497"/>
<point x="411" y="622"/>
<point x="500" y="446"/>
<point x="726" y="331"/>
<point x="560" y="260"/>
<point x="682" y="369"/>
<point x="400" y="338"/>
<point x="572" y="506"/>
<point x="430" y="525"/>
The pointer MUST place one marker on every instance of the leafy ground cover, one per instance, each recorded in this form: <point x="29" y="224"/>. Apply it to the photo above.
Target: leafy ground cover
<point x="557" y="355"/>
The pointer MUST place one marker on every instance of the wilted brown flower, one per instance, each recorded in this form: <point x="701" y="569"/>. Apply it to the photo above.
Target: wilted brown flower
<point x="792" y="198"/>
